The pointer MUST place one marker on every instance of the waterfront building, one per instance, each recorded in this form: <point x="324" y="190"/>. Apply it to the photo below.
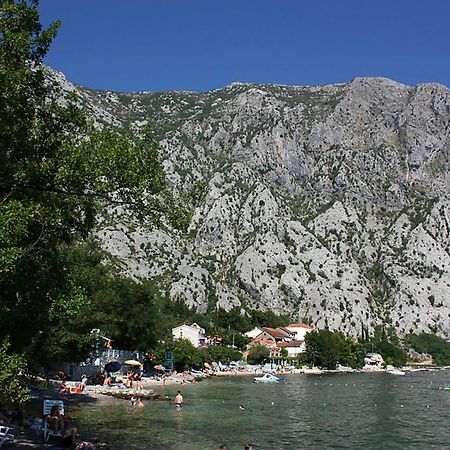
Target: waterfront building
<point x="193" y="333"/>
<point x="294" y="348"/>
<point x="275" y="335"/>
<point x="299" y="330"/>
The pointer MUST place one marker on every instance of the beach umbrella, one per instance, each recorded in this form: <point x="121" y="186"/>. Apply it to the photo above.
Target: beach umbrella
<point x="113" y="366"/>
<point x="160" y="368"/>
<point x="132" y="362"/>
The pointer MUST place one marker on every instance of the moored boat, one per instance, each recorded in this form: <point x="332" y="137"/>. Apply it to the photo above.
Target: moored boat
<point x="394" y="370"/>
<point x="268" y="378"/>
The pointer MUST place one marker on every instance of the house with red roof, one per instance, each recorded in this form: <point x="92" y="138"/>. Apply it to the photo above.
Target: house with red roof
<point x="275" y="335"/>
<point x="290" y="337"/>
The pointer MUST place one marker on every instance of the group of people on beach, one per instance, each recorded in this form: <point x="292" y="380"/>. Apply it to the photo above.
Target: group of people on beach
<point x="132" y="380"/>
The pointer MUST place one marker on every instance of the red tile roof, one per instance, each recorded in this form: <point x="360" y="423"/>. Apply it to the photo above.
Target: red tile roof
<point x="285" y="330"/>
<point x="276" y="333"/>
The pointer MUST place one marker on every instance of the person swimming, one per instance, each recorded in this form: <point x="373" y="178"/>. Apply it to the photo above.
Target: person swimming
<point x="136" y="402"/>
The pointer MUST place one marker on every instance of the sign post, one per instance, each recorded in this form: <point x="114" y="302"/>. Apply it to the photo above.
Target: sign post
<point x="168" y="360"/>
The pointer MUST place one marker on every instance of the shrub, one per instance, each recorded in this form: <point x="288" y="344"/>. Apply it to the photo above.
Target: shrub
<point x="258" y="354"/>
<point x="429" y="343"/>
<point x="13" y="392"/>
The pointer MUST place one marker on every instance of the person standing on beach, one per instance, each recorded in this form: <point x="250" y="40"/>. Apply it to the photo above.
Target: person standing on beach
<point x="179" y="400"/>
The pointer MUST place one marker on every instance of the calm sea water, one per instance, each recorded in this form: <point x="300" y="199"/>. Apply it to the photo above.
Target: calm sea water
<point x="345" y="411"/>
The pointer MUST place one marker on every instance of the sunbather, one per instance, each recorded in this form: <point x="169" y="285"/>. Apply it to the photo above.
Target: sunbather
<point x="63" y="389"/>
<point x="56" y="420"/>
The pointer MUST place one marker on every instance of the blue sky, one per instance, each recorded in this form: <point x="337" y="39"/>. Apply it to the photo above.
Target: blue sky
<point x="199" y="45"/>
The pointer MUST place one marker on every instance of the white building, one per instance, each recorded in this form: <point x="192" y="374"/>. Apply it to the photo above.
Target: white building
<point x="299" y="330"/>
<point x="252" y="334"/>
<point x="193" y="333"/>
<point x="294" y="348"/>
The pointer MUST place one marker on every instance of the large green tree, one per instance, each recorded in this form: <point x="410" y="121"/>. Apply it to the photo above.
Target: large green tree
<point x="325" y="348"/>
<point x="57" y="172"/>
<point x="258" y="354"/>
<point x="322" y="349"/>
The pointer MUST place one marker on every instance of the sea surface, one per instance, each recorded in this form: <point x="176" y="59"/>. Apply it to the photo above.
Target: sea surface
<point x="339" y="411"/>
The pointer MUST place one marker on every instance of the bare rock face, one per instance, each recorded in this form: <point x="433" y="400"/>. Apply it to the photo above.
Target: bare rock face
<point x="328" y="203"/>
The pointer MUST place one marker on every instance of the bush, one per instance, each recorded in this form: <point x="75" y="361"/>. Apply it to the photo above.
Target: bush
<point x="429" y="343"/>
<point x="221" y="354"/>
<point x="258" y="354"/>
<point x="13" y="393"/>
<point x="392" y="353"/>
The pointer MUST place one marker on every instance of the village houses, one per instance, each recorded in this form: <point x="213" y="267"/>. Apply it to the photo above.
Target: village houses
<point x="290" y="337"/>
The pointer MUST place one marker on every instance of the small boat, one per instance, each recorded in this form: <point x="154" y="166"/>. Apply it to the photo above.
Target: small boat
<point x="268" y="378"/>
<point x="394" y="371"/>
<point x="446" y="387"/>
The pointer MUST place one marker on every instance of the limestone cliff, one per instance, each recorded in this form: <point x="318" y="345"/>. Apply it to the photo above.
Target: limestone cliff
<point x="330" y="203"/>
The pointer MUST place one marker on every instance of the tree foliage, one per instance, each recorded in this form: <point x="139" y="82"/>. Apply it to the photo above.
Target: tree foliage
<point x="12" y="367"/>
<point x="386" y="343"/>
<point x="326" y="349"/>
<point x="431" y="344"/>
<point x="322" y="349"/>
<point x="222" y="354"/>
<point x="57" y="172"/>
<point x="258" y="354"/>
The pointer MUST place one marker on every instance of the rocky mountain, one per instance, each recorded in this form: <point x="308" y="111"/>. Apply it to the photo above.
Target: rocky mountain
<point x="330" y="203"/>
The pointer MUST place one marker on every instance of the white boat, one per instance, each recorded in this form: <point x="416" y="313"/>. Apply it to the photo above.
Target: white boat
<point x="394" y="370"/>
<point x="373" y="362"/>
<point x="268" y="378"/>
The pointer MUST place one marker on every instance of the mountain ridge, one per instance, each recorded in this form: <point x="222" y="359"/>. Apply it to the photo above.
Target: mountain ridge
<point x="329" y="203"/>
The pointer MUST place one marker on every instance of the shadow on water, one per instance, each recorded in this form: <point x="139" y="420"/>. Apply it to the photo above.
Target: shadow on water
<point x="332" y="411"/>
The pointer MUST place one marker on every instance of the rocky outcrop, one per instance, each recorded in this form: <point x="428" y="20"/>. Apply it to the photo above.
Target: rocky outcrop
<point x="330" y="203"/>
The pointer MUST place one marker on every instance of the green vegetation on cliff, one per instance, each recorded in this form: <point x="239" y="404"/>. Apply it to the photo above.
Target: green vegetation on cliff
<point x="432" y="345"/>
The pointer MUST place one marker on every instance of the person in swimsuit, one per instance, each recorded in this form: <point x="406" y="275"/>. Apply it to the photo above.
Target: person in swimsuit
<point x="179" y="400"/>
